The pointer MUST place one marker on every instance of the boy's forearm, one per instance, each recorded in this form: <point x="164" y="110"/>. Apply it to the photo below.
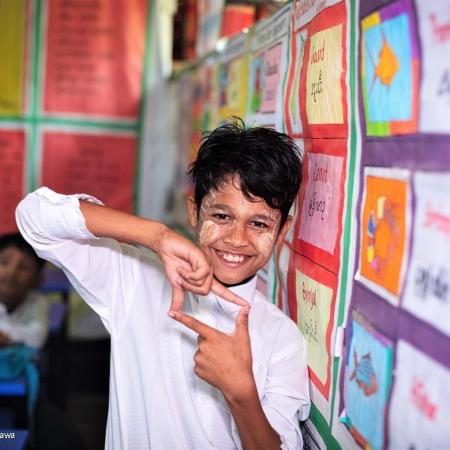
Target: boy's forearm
<point x="106" y="222"/>
<point x="254" y="429"/>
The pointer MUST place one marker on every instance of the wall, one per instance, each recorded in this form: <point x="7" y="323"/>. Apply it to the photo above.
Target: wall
<point x="363" y="87"/>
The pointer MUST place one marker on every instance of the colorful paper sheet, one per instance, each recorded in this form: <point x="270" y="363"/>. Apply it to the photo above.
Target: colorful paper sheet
<point x="12" y="56"/>
<point x="102" y="165"/>
<point x="12" y="168"/>
<point x="94" y="57"/>
<point x="418" y="417"/>
<point x="319" y="222"/>
<point x="368" y="374"/>
<point x="427" y="291"/>
<point x="323" y="77"/>
<point x="233" y="78"/>
<point x="315" y="293"/>
<point x="434" y="22"/>
<point x="267" y="70"/>
<point x="390" y="70"/>
<point x="384" y="231"/>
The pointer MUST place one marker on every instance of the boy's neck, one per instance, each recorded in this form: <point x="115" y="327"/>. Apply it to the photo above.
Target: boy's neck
<point x="236" y="284"/>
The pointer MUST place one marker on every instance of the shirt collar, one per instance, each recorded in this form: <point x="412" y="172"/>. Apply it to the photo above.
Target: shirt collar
<point x="245" y="291"/>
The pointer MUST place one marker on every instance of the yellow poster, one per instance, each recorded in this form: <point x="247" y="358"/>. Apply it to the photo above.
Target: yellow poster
<point x="234" y="85"/>
<point x="12" y="56"/>
<point x="314" y="306"/>
<point x="323" y="79"/>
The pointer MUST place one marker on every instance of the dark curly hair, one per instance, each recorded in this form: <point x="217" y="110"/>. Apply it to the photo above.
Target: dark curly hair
<point x="267" y="162"/>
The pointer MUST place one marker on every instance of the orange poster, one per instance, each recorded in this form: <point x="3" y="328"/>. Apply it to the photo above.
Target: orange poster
<point x="384" y="231"/>
<point x="96" y="164"/>
<point x="12" y="159"/>
<point x="94" y="57"/>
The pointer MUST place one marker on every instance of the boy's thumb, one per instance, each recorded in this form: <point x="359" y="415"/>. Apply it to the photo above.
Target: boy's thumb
<point x="242" y="319"/>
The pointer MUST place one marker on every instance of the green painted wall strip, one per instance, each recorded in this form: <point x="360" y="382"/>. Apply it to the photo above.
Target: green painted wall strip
<point x="149" y="36"/>
<point x="350" y="188"/>
<point x="35" y="97"/>
<point x="325" y="431"/>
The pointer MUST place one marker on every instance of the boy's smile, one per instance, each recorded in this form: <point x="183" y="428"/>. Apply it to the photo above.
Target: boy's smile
<point x="238" y="235"/>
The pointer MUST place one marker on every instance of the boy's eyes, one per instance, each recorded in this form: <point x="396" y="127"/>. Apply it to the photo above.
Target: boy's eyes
<point x="253" y="223"/>
<point x="258" y="224"/>
<point x="221" y="216"/>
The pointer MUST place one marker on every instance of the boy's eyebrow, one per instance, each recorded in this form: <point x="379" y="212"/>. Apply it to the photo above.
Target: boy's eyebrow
<point x="219" y="206"/>
<point x="264" y="217"/>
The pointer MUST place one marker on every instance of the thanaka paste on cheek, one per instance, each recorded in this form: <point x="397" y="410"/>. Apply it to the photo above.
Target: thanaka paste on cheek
<point x="264" y="244"/>
<point x="208" y="233"/>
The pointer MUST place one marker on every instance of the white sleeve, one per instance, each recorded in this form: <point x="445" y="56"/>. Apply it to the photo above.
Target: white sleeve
<point x="286" y="399"/>
<point x="103" y="271"/>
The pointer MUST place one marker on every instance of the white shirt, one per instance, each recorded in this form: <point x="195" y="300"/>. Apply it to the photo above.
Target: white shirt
<point x="28" y="323"/>
<point x="156" y="401"/>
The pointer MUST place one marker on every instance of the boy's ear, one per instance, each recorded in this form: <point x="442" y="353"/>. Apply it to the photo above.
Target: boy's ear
<point x="284" y="230"/>
<point x="192" y="211"/>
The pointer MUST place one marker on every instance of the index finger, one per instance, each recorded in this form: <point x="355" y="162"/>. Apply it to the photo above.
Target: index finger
<point x="195" y="325"/>
<point x="226" y="294"/>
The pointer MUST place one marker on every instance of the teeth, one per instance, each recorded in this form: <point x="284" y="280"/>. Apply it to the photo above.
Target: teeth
<point x="231" y="258"/>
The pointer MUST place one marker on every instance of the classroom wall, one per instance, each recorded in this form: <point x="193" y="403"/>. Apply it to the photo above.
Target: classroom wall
<point x="364" y="89"/>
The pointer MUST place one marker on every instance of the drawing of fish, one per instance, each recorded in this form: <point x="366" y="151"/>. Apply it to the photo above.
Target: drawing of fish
<point x="364" y="374"/>
<point x="387" y="66"/>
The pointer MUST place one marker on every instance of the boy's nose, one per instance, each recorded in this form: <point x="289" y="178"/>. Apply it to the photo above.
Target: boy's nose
<point x="237" y="236"/>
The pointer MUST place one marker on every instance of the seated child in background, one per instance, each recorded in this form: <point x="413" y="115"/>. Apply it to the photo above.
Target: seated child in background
<point x="23" y="312"/>
<point x="194" y="364"/>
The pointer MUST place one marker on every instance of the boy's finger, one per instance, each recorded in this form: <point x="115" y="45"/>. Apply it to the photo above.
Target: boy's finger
<point x="198" y="273"/>
<point x="201" y="289"/>
<point x="242" y="320"/>
<point x="201" y="328"/>
<point x="177" y="298"/>
<point x="226" y="294"/>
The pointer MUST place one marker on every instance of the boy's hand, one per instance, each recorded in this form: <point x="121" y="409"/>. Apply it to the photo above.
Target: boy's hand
<point x="222" y="358"/>
<point x="188" y="268"/>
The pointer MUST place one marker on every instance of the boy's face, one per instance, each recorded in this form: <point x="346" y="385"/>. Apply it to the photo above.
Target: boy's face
<point x="236" y="234"/>
<point x="19" y="274"/>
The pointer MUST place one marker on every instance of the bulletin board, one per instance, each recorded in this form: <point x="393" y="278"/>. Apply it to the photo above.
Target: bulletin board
<point x="71" y="79"/>
<point x="364" y="271"/>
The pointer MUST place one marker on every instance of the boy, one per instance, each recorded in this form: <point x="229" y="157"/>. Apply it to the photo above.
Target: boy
<point x="23" y="313"/>
<point x="230" y="370"/>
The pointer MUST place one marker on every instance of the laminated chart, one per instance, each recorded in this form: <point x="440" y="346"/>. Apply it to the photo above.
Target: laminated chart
<point x="267" y="70"/>
<point x="94" y="58"/>
<point x="323" y="91"/>
<point x="13" y="56"/>
<point x="232" y="78"/>
<point x="384" y="231"/>
<point x="390" y="70"/>
<point x="318" y="228"/>
<point x="12" y="175"/>
<point x="427" y="291"/>
<point x="434" y="26"/>
<point x="418" y="416"/>
<point x="100" y="164"/>
<point x="368" y="378"/>
<point x="314" y="291"/>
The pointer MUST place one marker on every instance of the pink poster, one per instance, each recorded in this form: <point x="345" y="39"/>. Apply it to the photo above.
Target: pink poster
<point x="12" y="159"/>
<point x="320" y="209"/>
<point x="272" y="61"/>
<point x="100" y="165"/>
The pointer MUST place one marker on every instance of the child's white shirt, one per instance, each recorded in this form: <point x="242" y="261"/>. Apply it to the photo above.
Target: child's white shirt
<point x="156" y="401"/>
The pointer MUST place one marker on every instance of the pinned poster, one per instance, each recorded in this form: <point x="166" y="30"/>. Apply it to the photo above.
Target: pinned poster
<point x="323" y="91"/>
<point x="94" y="58"/>
<point x="367" y="381"/>
<point x="434" y="23"/>
<point x="13" y="20"/>
<point x="233" y="78"/>
<point x="292" y="100"/>
<point x="12" y="182"/>
<point x="102" y="165"/>
<point x="321" y="202"/>
<point x="418" y="417"/>
<point x="315" y="292"/>
<point x="390" y="70"/>
<point x="427" y="290"/>
<point x="268" y="66"/>
<point x="384" y="231"/>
